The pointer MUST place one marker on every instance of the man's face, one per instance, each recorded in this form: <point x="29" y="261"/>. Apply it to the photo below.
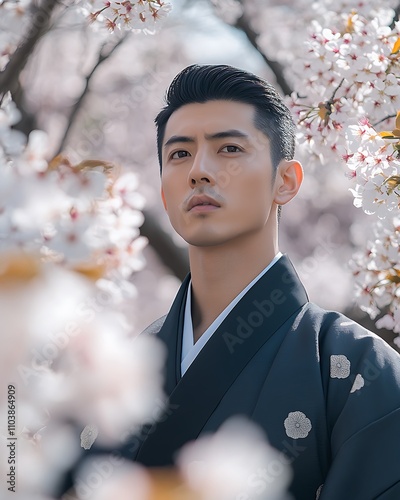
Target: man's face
<point x="217" y="174"/>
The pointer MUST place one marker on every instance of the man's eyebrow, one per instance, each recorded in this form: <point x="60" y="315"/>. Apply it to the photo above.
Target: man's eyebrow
<point x="210" y="137"/>
<point x="226" y="134"/>
<point x="178" y="138"/>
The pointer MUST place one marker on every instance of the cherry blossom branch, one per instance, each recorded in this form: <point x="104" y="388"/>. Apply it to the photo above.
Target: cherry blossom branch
<point x="243" y="25"/>
<point x="356" y="314"/>
<point x="41" y="19"/>
<point x="173" y="257"/>
<point x="101" y="58"/>
<point x="335" y="91"/>
<point x="383" y="119"/>
<point x="325" y="106"/>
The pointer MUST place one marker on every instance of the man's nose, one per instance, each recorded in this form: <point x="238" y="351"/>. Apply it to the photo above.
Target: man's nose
<point x="203" y="170"/>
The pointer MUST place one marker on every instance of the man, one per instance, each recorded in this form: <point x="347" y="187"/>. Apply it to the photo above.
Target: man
<point x="242" y="337"/>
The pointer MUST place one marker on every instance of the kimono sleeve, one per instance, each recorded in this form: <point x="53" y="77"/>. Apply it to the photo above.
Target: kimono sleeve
<point x="361" y="376"/>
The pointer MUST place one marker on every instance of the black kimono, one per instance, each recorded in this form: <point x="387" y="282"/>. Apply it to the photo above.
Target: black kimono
<point x="325" y="390"/>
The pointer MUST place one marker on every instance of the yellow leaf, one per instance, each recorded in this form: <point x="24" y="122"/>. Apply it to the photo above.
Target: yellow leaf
<point x="322" y="113"/>
<point x="396" y="46"/>
<point x="392" y="183"/>
<point x="393" y="279"/>
<point x="387" y="135"/>
<point x="18" y="267"/>
<point x="57" y="161"/>
<point x="167" y="484"/>
<point x="90" y="164"/>
<point x="350" y="24"/>
<point x="91" y="271"/>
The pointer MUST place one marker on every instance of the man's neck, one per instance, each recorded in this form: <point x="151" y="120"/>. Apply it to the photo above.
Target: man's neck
<point x="220" y="273"/>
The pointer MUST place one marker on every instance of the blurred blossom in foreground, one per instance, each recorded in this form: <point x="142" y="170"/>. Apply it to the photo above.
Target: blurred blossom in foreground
<point x="11" y="141"/>
<point x="81" y="367"/>
<point x="79" y="216"/>
<point x="235" y="462"/>
<point x="106" y="478"/>
<point x="69" y="243"/>
<point x="14" y="21"/>
<point x="45" y="455"/>
<point x="39" y="305"/>
<point x="109" y="477"/>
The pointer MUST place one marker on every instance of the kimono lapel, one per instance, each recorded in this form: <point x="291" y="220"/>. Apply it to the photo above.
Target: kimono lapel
<point x="263" y="310"/>
<point x="171" y="334"/>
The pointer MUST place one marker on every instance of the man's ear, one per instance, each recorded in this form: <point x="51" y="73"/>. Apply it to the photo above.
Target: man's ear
<point x="289" y="176"/>
<point x="163" y="200"/>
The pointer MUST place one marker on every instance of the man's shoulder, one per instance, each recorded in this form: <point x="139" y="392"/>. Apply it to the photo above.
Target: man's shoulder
<point x="352" y="357"/>
<point x="154" y="327"/>
<point x="335" y="329"/>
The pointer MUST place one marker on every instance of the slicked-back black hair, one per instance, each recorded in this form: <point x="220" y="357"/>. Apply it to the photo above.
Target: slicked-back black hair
<point x="199" y="84"/>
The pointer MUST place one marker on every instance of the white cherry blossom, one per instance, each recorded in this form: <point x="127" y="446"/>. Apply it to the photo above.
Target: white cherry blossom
<point x="376" y="273"/>
<point x="140" y="15"/>
<point x="347" y="62"/>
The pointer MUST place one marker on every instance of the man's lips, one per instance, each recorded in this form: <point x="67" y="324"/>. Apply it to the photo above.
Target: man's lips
<point x="202" y="203"/>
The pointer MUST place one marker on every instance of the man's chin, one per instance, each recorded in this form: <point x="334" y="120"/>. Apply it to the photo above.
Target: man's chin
<point x="205" y="241"/>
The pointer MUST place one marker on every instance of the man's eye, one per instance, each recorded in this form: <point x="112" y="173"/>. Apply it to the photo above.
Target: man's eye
<point x="179" y="154"/>
<point x="231" y="149"/>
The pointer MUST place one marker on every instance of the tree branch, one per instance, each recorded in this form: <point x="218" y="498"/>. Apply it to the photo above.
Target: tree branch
<point x="101" y="58"/>
<point x="362" y="318"/>
<point x="28" y="121"/>
<point x="172" y="256"/>
<point x="383" y="120"/>
<point x="396" y="16"/>
<point x="40" y="25"/>
<point x="243" y="24"/>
